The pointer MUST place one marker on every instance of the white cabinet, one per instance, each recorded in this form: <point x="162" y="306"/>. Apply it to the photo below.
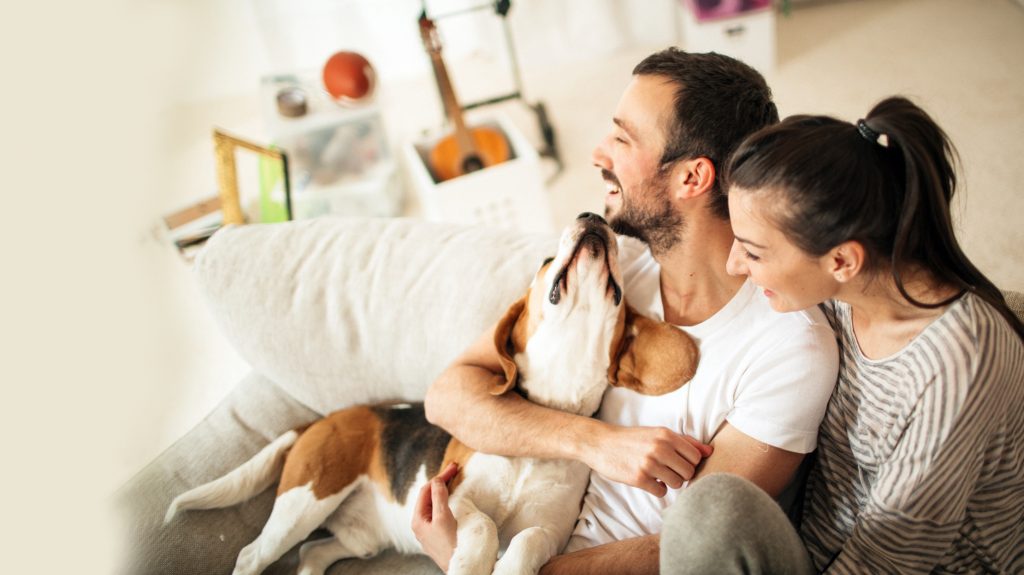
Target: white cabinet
<point x="747" y="36"/>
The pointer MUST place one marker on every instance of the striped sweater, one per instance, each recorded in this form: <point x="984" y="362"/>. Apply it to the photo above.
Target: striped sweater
<point x="921" y="454"/>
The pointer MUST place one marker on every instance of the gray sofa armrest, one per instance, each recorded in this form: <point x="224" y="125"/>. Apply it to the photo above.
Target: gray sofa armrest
<point x="208" y="542"/>
<point x="1015" y="301"/>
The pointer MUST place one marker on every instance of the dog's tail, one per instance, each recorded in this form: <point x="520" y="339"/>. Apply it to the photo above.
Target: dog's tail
<point x="247" y="480"/>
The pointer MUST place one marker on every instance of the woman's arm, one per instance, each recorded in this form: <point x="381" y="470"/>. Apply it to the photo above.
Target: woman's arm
<point x="918" y="502"/>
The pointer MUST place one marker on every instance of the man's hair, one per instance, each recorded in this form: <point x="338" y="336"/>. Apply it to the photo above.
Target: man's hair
<point x="718" y="102"/>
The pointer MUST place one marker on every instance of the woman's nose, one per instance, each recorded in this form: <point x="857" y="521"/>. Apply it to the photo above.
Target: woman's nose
<point x="736" y="264"/>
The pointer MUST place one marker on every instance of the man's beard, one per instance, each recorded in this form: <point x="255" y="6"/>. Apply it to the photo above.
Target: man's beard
<point x="656" y="224"/>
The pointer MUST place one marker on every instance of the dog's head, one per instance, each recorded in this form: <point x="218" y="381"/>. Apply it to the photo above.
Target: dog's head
<point x="572" y="333"/>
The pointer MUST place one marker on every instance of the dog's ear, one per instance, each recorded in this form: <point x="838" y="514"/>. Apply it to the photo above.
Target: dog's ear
<point x="504" y="335"/>
<point x="651" y="357"/>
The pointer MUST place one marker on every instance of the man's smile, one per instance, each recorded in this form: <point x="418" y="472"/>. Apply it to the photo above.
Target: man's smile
<point x="611" y="182"/>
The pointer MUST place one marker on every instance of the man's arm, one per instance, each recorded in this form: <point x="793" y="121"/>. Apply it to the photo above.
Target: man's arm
<point x="637" y="556"/>
<point x="645" y="457"/>
<point x="735" y="452"/>
<point x="465" y="388"/>
<point x="770" y="468"/>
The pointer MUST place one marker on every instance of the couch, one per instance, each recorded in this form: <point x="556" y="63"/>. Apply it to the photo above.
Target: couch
<point x="329" y="313"/>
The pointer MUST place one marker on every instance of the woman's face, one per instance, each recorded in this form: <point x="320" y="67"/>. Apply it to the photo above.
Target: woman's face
<point x="791" y="278"/>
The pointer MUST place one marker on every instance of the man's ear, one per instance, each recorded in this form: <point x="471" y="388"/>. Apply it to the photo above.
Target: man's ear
<point x="694" y="177"/>
<point x="846" y="260"/>
<point x="651" y="357"/>
<point x="505" y="347"/>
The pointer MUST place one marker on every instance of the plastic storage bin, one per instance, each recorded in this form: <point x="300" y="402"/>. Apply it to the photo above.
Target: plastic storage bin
<point x="339" y="158"/>
<point x="510" y="194"/>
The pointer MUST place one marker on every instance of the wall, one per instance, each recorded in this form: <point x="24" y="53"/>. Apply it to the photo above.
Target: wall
<point x="230" y="43"/>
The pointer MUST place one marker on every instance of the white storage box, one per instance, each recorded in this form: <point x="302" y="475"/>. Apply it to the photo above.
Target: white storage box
<point x="510" y="194"/>
<point x="747" y="36"/>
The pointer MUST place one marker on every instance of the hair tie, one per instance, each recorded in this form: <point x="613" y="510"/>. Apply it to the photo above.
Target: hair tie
<point x="870" y="135"/>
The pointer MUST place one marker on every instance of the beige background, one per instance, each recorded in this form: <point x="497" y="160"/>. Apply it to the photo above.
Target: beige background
<point x="106" y="354"/>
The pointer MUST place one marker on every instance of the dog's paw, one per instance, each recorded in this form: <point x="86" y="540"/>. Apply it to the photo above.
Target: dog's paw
<point x="513" y="566"/>
<point x="469" y="566"/>
<point x="248" y="562"/>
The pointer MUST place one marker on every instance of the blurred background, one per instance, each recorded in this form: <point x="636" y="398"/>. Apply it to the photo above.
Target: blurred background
<point x="109" y="108"/>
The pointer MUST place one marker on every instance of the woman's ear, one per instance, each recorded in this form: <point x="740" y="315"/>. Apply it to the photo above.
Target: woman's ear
<point x="504" y="346"/>
<point x="846" y="260"/>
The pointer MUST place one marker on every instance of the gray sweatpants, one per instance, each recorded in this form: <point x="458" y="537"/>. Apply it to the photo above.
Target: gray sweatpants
<point x="725" y="524"/>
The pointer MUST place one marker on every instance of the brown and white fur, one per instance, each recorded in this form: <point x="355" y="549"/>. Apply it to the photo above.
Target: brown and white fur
<point x="357" y="471"/>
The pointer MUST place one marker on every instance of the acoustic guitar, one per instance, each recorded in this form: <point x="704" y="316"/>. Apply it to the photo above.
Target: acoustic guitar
<point x="467" y="149"/>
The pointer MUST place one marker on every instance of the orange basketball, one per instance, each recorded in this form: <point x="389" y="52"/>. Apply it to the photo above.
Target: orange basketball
<point x="348" y="76"/>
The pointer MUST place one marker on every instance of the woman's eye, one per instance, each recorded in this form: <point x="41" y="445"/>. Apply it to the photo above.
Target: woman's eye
<point x="752" y="257"/>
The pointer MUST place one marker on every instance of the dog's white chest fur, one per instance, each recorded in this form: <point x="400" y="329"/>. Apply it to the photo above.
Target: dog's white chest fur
<point x="565" y="364"/>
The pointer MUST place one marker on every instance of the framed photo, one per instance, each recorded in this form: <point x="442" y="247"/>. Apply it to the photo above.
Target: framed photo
<point x="224" y="148"/>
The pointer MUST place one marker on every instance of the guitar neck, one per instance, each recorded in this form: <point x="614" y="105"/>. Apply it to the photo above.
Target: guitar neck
<point x="451" y="104"/>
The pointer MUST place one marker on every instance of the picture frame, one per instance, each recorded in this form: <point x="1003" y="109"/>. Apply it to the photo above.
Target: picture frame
<point x="225" y="146"/>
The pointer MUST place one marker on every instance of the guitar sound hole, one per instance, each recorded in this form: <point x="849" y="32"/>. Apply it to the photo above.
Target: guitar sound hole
<point x="472" y="164"/>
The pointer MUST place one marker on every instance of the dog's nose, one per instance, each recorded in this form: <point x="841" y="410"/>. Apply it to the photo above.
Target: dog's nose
<point x="590" y="216"/>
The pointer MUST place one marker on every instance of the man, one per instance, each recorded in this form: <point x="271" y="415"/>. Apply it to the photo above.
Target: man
<point x="763" y="380"/>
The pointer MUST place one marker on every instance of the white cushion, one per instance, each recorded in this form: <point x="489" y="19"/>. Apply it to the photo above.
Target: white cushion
<point x="340" y="311"/>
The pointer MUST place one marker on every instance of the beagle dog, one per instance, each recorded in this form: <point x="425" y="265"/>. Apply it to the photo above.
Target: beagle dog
<point x="357" y="471"/>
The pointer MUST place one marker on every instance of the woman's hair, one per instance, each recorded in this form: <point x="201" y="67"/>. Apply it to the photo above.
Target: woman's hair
<point x="885" y="182"/>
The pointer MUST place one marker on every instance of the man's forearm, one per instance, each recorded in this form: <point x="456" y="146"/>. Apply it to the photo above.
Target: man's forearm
<point x="638" y="556"/>
<point x="460" y="402"/>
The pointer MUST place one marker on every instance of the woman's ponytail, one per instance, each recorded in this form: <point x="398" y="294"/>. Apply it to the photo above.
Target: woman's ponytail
<point x="924" y="232"/>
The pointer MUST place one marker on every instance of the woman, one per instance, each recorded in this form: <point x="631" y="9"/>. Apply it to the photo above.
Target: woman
<point x="921" y="453"/>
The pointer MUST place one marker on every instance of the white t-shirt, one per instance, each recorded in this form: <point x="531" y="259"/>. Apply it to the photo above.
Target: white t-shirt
<point x="768" y="374"/>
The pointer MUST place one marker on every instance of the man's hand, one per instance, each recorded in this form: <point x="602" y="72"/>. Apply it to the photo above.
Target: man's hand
<point x="433" y="522"/>
<point x="651" y="458"/>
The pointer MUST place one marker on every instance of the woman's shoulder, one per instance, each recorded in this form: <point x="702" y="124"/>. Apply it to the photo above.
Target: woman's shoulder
<point x="970" y="345"/>
<point x="976" y="353"/>
<point x="969" y="328"/>
<point x="978" y="327"/>
<point x="981" y="375"/>
<point x="973" y="319"/>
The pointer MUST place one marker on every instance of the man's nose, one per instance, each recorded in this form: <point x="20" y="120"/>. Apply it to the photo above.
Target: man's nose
<point x="736" y="265"/>
<point x="599" y="158"/>
<point x="591" y="216"/>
